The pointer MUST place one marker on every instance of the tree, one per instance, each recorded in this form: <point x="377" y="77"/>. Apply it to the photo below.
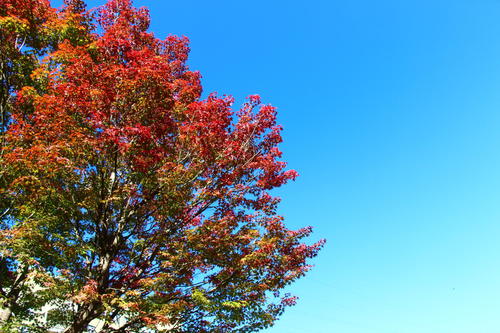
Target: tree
<point x="131" y="199"/>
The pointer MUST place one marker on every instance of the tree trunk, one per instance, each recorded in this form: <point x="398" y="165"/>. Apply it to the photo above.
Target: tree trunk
<point x="82" y="319"/>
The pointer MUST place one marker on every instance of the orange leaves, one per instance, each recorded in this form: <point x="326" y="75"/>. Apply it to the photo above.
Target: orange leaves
<point x="88" y="293"/>
<point x="32" y="11"/>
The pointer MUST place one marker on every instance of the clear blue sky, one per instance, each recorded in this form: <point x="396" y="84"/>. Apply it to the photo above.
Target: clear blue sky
<point x="391" y="111"/>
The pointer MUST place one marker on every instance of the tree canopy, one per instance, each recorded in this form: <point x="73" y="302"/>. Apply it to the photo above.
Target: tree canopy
<point x="126" y="198"/>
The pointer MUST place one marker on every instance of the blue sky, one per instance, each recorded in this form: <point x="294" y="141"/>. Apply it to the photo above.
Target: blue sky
<point x="391" y="112"/>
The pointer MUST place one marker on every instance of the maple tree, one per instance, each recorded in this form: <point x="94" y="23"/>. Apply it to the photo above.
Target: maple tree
<point x="126" y="197"/>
